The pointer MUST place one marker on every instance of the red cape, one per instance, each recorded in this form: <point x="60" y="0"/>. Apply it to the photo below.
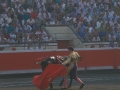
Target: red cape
<point x="51" y="72"/>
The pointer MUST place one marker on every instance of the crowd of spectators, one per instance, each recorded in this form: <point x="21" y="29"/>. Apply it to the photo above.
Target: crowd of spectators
<point x="21" y="23"/>
<point x="93" y="20"/>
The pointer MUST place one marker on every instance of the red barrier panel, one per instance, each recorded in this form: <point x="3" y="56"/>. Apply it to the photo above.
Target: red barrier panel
<point x="16" y="61"/>
<point x="91" y="58"/>
<point x="118" y="59"/>
<point x="99" y="58"/>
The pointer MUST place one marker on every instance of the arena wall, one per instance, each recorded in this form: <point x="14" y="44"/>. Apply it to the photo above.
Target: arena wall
<point x="13" y="62"/>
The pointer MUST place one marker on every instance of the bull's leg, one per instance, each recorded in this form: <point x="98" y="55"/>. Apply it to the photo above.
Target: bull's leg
<point x="61" y="82"/>
<point x="44" y="65"/>
<point x="51" y="86"/>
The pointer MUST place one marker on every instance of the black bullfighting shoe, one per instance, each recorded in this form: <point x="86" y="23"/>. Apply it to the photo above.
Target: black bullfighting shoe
<point x="81" y="86"/>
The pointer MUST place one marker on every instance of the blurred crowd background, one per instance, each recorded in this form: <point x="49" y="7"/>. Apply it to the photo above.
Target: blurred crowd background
<point x="93" y="20"/>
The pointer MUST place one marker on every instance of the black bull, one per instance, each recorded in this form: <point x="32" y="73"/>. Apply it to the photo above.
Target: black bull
<point x="55" y="61"/>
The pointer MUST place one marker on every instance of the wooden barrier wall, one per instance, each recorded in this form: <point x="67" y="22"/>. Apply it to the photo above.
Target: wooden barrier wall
<point x="92" y="59"/>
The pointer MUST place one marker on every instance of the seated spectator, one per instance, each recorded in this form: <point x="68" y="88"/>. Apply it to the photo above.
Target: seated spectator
<point x="66" y="18"/>
<point x="11" y="40"/>
<point x="108" y="30"/>
<point x="27" y="27"/>
<point x="112" y="44"/>
<point x="87" y="18"/>
<point x="40" y="38"/>
<point x="57" y="22"/>
<point x="25" y="37"/>
<point x="14" y="1"/>
<point x="3" y="39"/>
<point x="79" y="17"/>
<point x="90" y="38"/>
<point x="115" y="26"/>
<point x="34" y="14"/>
<point x="63" y="5"/>
<point x="118" y="44"/>
<point x="101" y="45"/>
<point x="96" y="38"/>
<point x="19" y="34"/>
<point x="13" y="35"/>
<point x="18" y="40"/>
<point x="6" y="35"/>
<point x="87" y="35"/>
<point x="38" y="31"/>
<point x="31" y="21"/>
<point x="39" y="47"/>
<point x="102" y="35"/>
<point x="10" y="28"/>
<point x="58" y="1"/>
<point x="4" y="5"/>
<point x="3" y="30"/>
<point x="75" y="27"/>
<point x="106" y="38"/>
<point x="92" y="46"/>
<point x="25" y="5"/>
<point x="29" y="10"/>
<point x="25" y="17"/>
<point x="95" y="19"/>
<point x="5" y="24"/>
<point x="4" y="15"/>
<point x="17" y="28"/>
<point x="48" y="38"/>
<point x="101" y="28"/>
<point x="43" y="33"/>
<point x="90" y="28"/>
<point x="1" y="20"/>
<point x="28" y="47"/>
<point x="2" y="10"/>
<point x="33" y="34"/>
<point x="34" y="40"/>
<point x="17" y="5"/>
<point x="23" y="21"/>
<point x="81" y="34"/>
<point x="99" y="22"/>
<point x="8" y="19"/>
<point x="20" y="14"/>
<point x="38" y="21"/>
<point x="112" y="37"/>
<point x="82" y="27"/>
<point x="95" y="32"/>
<point x="40" y="4"/>
<point x="48" y="22"/>
<point x="85" y="23"/>
<point x="116" y="33"/>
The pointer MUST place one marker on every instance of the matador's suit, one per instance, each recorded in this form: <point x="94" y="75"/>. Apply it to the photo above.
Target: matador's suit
<point x="72" y="59"/>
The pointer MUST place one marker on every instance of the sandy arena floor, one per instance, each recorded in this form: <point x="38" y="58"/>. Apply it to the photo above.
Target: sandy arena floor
<point x="87" y="87"/>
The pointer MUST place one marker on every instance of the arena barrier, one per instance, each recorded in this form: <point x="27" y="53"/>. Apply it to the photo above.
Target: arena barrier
<point x="13" y="62"/>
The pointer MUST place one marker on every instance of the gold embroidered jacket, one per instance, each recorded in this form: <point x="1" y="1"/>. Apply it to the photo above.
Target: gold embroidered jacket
<point x="72" y="58"/>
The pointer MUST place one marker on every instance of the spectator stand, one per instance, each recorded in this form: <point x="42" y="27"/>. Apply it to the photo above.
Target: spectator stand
<point x="93" y="20"/>
<point x="64" y="33"/>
